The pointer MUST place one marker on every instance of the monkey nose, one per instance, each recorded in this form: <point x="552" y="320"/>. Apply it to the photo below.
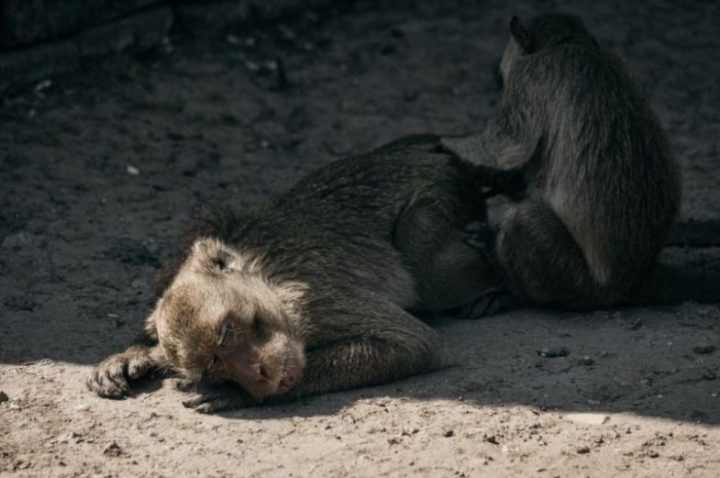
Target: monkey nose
<point x="262" y="372"/>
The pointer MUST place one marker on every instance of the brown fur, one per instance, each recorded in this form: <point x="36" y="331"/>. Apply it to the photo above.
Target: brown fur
<point x="312" y="292"/>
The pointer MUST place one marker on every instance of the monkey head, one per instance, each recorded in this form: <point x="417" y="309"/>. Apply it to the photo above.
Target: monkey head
<point x="544" y="31"/>
<point x="221" y="320"/>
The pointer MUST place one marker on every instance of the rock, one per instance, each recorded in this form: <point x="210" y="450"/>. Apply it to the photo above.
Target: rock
<point x="704" y="349"/>
<point x="588" y="418"/>
<point x="3" y="397"/>
<point x="582" y="450"/>
<point x="586" y="360"/>
<point x="112" y="449"/>
<point x="552" y="352"/>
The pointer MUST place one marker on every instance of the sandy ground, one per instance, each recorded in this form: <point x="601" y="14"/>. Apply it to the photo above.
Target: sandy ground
<point x="99" y="170"/>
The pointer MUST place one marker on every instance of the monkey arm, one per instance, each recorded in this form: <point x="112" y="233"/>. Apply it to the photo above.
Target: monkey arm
<point x="110" y="378"/>
<point x="505" y="144"/>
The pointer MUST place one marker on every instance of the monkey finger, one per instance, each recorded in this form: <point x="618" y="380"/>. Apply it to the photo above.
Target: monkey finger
<point x="488" y="304"/>
<point x="474" y="226"/>
<point x="204" y="404"/>
<point x="139" y="366"/>
<point x="106" y="387"/>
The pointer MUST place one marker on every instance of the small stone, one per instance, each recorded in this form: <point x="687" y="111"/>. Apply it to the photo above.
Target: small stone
<point x="17" y="240"/>
<point x="394" y="440"/>
<point x="448" y="433"/>
<point x="3" y="397"/>
<point x="704" y="349"/>
<point x="588" y="418"/>
<point x="113" y="449"/>
<point x="43" y="85"/>
<point x="492" y="439"/>
<point x="82" y="407"/>
<point x="709" y="375"/>
<point x="586" y="360"/>
<point x="582" y="450"/>
<point x="132" y="170"/>
<point x="553" y="352"/>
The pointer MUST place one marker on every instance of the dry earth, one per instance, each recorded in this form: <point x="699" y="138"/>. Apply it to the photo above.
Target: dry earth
<point x="98" y="171"/>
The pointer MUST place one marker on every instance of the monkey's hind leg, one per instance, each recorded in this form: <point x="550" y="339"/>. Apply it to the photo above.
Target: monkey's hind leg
<point x="543" y="261"/>
<point x="390" y="344"/>
<point x="448" y="272"/>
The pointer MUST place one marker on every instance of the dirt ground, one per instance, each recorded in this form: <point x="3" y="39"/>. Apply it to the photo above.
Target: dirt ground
<point x="99" y="169"/>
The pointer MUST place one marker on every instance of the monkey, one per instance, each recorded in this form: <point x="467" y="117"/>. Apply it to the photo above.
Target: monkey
<point x="602" y="189"/>
<point x="318" y="290"/>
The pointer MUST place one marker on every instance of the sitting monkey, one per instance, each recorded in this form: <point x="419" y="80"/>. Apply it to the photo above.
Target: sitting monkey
<point x="311" y="293"/>
<point x="603" y="188"/>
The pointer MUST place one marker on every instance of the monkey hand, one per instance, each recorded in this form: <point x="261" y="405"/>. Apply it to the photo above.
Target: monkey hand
<point x="482" y="236"/>
<point x="509" y="183"/>
<point x="490" y="303"/>
<point x="110" y="378"/>
<point x="213" y="398"/>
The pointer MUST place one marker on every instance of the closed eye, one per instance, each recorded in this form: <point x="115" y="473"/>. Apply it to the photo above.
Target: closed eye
<point x="257" y="325"/>
<point x="223" y="334"/>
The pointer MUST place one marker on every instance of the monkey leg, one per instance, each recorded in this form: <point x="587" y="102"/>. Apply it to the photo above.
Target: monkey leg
<point x="110" y="378"/>
<point x="382" y="343"/>
<point x="447" y="271"/>
<point x="544" y="263"/>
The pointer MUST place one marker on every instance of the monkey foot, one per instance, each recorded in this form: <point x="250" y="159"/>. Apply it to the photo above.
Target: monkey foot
<point x="488" y="304"/>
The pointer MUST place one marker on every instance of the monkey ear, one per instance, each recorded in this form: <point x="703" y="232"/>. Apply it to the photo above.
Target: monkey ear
<point x="215" y="255"/>
<point x="520" y="34"/>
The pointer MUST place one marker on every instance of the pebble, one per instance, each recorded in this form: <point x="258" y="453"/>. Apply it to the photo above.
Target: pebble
<point x="586" y="360"/>
<point x="132" y="170"/>
<point x="113" y="449"/>
<point x="588" y="418"/>
<point x="17" y="240"/>
<point x="3" y="397"/>
<point x="552" y="352"/>
<point x="582" y="450"/>
<point x="704" y="349"/>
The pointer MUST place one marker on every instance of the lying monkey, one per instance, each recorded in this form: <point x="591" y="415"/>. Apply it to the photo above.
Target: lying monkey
<point x="311" y="293"/>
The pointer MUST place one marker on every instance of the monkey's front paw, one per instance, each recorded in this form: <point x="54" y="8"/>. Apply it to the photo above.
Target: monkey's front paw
<point x="218" y="398"/>
<point x="110" y="378"/>
<point x="482" y="236"/>
<point x="490" y="303"/>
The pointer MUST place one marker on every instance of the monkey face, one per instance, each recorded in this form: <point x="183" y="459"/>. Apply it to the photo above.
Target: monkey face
<point x="221" y="320"/>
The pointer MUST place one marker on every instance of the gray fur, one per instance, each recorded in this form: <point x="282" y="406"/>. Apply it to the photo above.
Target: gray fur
<point x="603" y="189"/>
